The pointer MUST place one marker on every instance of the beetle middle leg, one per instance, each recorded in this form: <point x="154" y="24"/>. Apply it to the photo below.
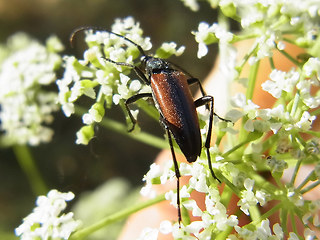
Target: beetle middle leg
<point x="131" y="100"/>
<point x="200" y="102"/>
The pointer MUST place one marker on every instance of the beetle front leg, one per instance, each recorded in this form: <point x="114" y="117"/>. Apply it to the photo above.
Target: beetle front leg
<point x="131" y="100"/>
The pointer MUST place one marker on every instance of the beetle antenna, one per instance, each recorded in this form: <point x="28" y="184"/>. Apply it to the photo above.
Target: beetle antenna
<point x="81" y="29"/>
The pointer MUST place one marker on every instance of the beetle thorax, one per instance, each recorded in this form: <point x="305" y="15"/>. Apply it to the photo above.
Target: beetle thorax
<point x="154" y="65"/>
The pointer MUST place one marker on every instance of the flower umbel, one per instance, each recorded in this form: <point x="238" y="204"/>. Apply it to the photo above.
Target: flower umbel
<point x="47" y="220"/>
<point x="26" y="101"/>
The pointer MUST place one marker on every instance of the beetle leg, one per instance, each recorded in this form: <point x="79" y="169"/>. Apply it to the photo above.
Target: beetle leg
<point x="137" y="70"/>
<point x="176" y="167"/>
<point x="133" y="99"/>
<point x="200" y="102"/>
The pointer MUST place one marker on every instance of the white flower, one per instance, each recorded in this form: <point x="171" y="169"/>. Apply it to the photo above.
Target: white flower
<point x="249" y="198"/>
<point x="168" y="49"/>
<point x="26" y="106"/>
<point x="305" y="122"/>
<point x="312" y="68"/>
<point x="278" y="231"/>
<point x="304" y="87"/>
<point x="198" y="180"/>
<point x="191" y="205"/>
<point x="208" y="34"/>
<point x="293" y="236"/>
<point x="149" y="234"/>
<point x="281" y="81"/>
<point x="192" y="4"/>
<point x="277" y="165"/>
<point x="264" y="231"/>
<point x="309" y="234"/>
<point x="47" y="220"/>
<point x="165" y="227"/>
<point x="295" y="197"/>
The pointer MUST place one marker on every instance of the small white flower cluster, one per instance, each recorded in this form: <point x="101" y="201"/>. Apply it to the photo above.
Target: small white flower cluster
<point x="259" y="119"/>
<point x="267" y="21"/>
<point x="104" y="82"/>
<point x="264" y="232"/>
<point x="26" y="101"/>
<point x="249" y="198"/>
<point x="47" y="220"/>
<point x="214" y="218"/>
<point x="210" y="34"/>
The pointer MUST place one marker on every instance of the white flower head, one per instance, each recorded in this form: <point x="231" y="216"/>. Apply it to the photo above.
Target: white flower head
<point x="47" y="220"/>
<point x="281" y="81"/>
<point x="26" y="106"/>
<point x="168" y="49"/>
<point x="149" y="234"/>
<point x="98" y="76"/>
<point x="207" y="34"/>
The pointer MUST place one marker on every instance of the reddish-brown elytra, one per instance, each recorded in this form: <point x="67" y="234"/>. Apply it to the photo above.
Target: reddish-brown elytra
<point x="174" y="101"/>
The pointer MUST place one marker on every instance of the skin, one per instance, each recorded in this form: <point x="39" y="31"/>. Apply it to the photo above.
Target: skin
<point x="152" y="216"/>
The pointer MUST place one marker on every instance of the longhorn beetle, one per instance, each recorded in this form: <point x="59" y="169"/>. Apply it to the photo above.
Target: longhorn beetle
<point x="173" y="99"/>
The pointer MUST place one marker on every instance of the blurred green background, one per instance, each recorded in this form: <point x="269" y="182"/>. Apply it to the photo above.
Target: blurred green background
<point x="63" y="164"/>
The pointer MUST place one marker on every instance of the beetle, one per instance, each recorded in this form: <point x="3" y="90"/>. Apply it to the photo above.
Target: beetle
<point x="173" y="99"/>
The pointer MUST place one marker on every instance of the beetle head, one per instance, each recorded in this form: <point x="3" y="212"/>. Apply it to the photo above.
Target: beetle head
<point x="154" y="65"/>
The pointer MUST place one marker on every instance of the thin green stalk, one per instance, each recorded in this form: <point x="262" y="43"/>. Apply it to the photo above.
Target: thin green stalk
<point x="224" y="235"/>
<point x="295" y="172"/>
<point x="310" y="187"/>
<point x="254" y="213"/>
<point x="284" y="218"/>
<point x="269" y="213"/>
<point x="82" y="233"/>
<point x="228" y="183"/>
<point x="29" y="167"/>
<point x="144" y="137"/>
<point x="293" y="223"/>
<point x="292" y="59"/>
<point x="226" y="154"/>
<point x="246" y="57"/>
<point x="252" y="79"/>
<point x="305" y="181"/>
<point x="271" y="63"/>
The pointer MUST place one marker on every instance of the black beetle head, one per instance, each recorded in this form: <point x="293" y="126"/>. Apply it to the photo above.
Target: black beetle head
<point x="154" y="65"/>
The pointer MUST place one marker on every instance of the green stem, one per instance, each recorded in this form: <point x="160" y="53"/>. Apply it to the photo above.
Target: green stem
<point x="270" y="212"/>
<point x="144" y="137"/>
<point x="293" y="223"/>
<point x="292" y="59"/>
<point x="252" y="79"/>
<point x="295" y="172"/>
<point x="310" y="187"/>
<point x="246" y="57"/>
<point x="28" y="165"/>
<point x="254" y="213"/>
<point x="272" y="63"/>
<point x="284" y="219"/>
<point x="305" y="181"/>
<point x="82" y="233"/>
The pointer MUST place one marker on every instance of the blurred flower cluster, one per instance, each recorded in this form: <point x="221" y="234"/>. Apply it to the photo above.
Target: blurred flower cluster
<point x="26" y="99"/>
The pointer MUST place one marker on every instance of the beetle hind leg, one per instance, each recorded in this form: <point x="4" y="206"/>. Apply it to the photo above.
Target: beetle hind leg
<point x="175" y="163"/>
